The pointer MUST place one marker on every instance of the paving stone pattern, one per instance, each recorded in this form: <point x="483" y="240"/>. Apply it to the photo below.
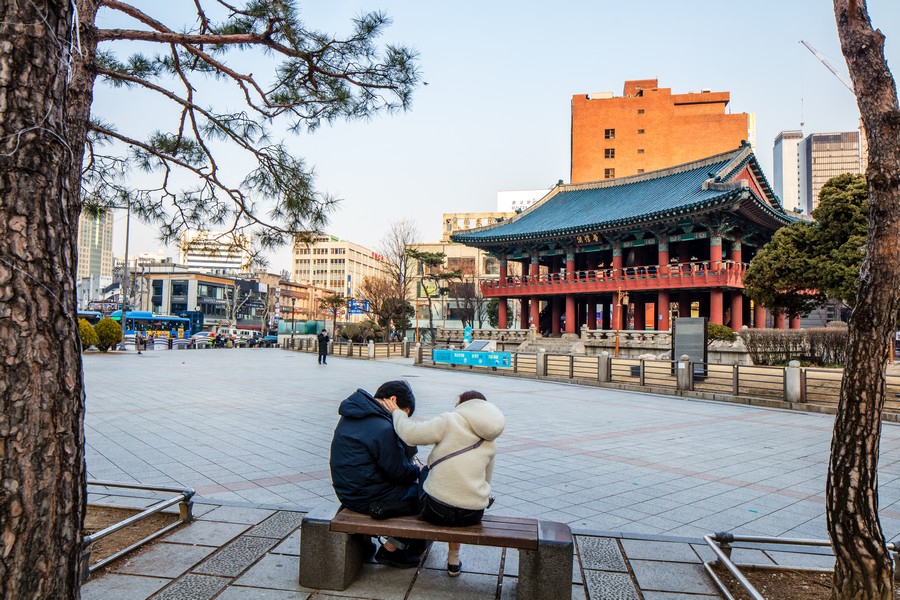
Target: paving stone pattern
<point x="639" y="478"/>
<point x="259" y="432"/>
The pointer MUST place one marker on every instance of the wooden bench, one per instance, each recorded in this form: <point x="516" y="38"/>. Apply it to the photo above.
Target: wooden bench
<point x="333" y="543"/>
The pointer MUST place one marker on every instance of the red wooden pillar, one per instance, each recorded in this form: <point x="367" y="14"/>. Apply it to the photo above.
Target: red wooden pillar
<point x="536" y="312"/>
<point x="716" y="308"/>
<point x="640" y="312"/>
<point x="592" y="313"/>
<point x="662" y="311"/>
<point x="555" y="314"/>
<point x="779" y="320"/>
<point x="617" y="273"/>
<point x="716" y="311"/>
<point x="570" y="313"/>
<point x="662" y="254"/>
<point x="525" y="313"/>
<point x="759" y="316"/>
<point x="616" y="312"/>
<point x="684" y="304"/>
<point x="736" y="252"/>
<point x="504" y="270"/>
<point x="501" y="314"/>
<point x="795" y="322"/>
<point x="737" y="310"/>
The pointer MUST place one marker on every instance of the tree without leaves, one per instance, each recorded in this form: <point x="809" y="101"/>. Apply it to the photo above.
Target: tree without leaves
<point x="51" y="57"/>
<point x="386" y="303"/>
<point x="332" y="305"/>
<point x="863" y="564"/>
<point x="806" y="262"/>
<point x="436" y="279"/>
<point x="400" y="235"/>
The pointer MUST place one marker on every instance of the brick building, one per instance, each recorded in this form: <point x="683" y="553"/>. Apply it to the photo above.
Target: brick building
<point x="649" y="128"/>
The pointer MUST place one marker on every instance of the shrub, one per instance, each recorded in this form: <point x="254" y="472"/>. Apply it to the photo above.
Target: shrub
<point x="819" y="346"/>
<point x="361" y="332"/>
<point x="720" y="333"/>
<point x="109" y="333"/>
<point x="87" y="334"/>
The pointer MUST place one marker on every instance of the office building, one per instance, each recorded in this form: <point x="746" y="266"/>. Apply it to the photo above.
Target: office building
<point x="95" y="255"/>
<point x="803" y="165"/>
<point x="786" y="179"/>
<point x="219" y="253"/>
<point x="519" y="200"/>
<point x="455" y="222"/>
<point x="336" y="264"/>
<point x="649" y="128"/>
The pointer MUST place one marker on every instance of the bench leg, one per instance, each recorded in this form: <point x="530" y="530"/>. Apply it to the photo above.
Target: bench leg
<point x="546" y="573"/>
<point x="328" y="560"/>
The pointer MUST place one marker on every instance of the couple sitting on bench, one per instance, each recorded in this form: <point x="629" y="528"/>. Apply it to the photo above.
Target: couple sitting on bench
<point x="373" y="472"/>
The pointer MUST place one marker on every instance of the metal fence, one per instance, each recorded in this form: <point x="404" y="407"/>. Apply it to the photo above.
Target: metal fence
<point x="349" y="349"/>
<point x="182" y="499"/>
<point x="817" y="387"/>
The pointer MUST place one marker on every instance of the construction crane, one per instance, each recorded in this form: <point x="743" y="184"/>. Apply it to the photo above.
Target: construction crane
<point x="828" y="65"/>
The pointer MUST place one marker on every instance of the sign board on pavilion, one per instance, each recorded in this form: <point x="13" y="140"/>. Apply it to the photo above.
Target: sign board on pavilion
<point x="689" y="337"/>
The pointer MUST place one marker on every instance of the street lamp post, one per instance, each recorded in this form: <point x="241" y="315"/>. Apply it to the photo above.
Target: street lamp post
<point x="293" y="319"/>
<point x="125" y="272"/>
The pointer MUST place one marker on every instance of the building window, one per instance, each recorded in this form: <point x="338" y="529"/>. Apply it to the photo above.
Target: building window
<point x="609" y="173"/>
<point x="640" y="150"/>
<point x="609" y="153"/>
<point x="640" y="131"/>
<point x="640" y="111"/>
<point x="609" y="134"/>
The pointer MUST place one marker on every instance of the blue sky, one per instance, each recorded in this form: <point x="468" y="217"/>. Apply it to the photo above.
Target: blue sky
<point x="495" y="113"/>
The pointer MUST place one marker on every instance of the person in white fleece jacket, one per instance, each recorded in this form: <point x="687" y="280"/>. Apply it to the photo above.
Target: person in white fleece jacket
<point x="457" y="489"/>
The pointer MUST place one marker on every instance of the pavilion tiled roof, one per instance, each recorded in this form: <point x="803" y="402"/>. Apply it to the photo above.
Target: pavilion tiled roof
<point x="657" y="196"/>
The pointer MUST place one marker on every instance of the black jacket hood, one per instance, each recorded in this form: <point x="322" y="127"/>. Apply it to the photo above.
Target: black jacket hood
<point x="361" y="404"/>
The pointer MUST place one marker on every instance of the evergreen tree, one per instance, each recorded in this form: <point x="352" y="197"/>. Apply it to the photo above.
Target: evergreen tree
<point x="51" y="57"/>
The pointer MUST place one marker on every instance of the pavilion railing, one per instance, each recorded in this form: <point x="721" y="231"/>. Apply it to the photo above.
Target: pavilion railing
<point x="687" y="274"/>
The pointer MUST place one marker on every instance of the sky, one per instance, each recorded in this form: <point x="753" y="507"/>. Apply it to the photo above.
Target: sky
<point x="495" y="114"/>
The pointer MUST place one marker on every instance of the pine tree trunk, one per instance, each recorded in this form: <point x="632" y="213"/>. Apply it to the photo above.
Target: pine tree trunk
<point x="42" y="473"/>
<point x="863" y="563"/>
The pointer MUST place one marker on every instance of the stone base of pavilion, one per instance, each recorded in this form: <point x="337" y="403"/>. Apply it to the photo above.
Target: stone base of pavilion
<point x="592" y="342"/>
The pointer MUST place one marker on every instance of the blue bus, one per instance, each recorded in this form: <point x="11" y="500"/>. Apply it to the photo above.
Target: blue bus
<point x="91" y="316"/>
<point x="160" y="326"/>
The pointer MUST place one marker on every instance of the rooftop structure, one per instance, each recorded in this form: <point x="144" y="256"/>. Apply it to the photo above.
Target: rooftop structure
<point x="650" y="128"/>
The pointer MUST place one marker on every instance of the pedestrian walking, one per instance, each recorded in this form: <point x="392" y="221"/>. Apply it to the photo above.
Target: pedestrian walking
<point x="323" y="340"/>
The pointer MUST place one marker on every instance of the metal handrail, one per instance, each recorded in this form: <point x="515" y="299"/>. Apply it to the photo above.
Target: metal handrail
<point x="183" y="499"/>
<point x="727" y="539"/>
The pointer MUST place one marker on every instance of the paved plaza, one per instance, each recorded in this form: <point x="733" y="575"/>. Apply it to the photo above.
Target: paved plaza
<point x="254" y="426"/>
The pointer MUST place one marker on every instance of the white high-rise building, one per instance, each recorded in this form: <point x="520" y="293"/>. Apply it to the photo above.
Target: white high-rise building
<point x="803" y="165"/>
<point x="787" y="170"/>
<point x="216" y="252"/>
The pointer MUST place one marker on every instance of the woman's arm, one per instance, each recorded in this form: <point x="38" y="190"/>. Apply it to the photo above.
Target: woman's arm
<point x="419" y="434"/>
<point x="489" y="470"/>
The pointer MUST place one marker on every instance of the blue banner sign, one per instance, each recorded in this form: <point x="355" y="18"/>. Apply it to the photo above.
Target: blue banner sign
<point x="358" y="307"/>
<point x="502" y="360"/>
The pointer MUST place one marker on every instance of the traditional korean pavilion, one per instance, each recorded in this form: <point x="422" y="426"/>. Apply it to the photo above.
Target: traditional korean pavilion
<point x="613" y="253"/>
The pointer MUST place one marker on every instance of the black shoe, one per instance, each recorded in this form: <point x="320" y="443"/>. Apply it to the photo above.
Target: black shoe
<point x="398" y="558"/>
<point x="454" y="570"/>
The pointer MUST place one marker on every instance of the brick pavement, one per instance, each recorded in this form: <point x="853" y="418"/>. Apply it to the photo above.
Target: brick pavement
<point x="255" y="426"/>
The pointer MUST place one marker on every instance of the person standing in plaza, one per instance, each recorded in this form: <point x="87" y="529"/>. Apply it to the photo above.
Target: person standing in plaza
<point x="458" y="485"/>
<point x="323" y="340"/>
<point x="371" y="468"/>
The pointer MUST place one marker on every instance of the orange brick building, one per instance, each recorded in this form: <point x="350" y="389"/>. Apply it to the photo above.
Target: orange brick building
<point x="649" y="128"/>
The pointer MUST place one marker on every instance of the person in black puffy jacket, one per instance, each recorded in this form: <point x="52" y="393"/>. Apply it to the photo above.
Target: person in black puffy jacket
<point x="370" y="465"/>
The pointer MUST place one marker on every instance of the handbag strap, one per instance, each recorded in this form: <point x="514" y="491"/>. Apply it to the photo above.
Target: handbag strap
<point x="457" y="453"/>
